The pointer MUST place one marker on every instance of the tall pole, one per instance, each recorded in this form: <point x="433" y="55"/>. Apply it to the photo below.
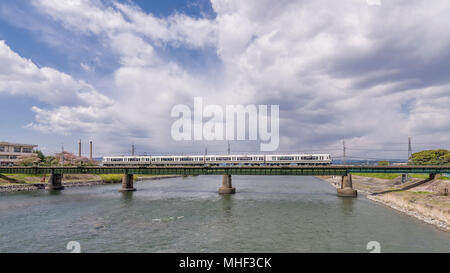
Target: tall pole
<point x="90" y="150"/>
<point x="229" y="148"/>
<point x="132" y="150"/>
<point x="62" y="154"/>
<point x="79" y="148"/>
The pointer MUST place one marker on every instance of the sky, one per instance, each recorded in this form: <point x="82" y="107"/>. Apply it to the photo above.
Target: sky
<point x="371" y="72"/>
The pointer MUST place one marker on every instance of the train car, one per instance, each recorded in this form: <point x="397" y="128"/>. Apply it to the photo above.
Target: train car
<point x="220" y="160"/>
<point x="299" y="159"/>
<point x="121" y="161"/>
<point x="217" y="160"/>
<point x="191" y="160"/>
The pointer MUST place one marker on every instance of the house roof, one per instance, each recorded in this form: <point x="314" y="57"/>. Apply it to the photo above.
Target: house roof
<point x="2" y="143"/>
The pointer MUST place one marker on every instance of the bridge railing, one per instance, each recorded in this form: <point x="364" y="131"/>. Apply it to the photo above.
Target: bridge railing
<point x="230" y="170"/>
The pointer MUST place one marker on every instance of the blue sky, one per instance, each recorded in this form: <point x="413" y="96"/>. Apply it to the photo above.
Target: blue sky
<point x="111" y="71"/>
<point x="16" y="28"/>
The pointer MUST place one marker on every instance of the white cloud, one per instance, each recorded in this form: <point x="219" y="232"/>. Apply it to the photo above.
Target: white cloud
<point x="22" y="77"/>
<point x="337" y="68"/>
<point x="86" y="67"/>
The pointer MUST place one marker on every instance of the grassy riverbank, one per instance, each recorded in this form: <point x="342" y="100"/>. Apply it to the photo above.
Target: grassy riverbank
<point x="396" y="175"/>
<point x="30" y="179"/>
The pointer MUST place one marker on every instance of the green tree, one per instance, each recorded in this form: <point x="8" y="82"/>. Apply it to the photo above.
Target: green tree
<point x="431" y="157"/>
<point x="383" y="163"/>
<point x="50" y="161"/>
<point x="40" y="154"/>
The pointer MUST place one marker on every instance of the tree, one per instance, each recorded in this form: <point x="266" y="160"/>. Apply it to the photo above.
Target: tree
<point x="40" y="154"/>
<point x="383" y="163"/>
<point x="50" y="161"/>
<point x="72" y="160"/>
<point x="28" y="161"/>
<point x="431" y="157"/>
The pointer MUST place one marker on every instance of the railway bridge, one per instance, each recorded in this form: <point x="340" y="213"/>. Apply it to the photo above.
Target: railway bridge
<point x="346" y="190"/>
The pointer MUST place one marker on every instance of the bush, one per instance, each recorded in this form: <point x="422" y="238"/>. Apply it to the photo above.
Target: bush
<point x="111" y="178"/>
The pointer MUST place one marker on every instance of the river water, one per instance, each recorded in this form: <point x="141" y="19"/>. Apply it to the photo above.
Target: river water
<point x="268" y="214"/>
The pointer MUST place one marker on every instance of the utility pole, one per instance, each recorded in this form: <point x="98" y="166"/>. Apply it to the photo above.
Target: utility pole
<point x="229" y="148"/>
<point x="132" y="150"/>
<point x="344" y="149"/>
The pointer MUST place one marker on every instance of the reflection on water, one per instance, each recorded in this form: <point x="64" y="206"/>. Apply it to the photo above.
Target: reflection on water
<point x="268" y="214"/>
<point x="227" y="205"/>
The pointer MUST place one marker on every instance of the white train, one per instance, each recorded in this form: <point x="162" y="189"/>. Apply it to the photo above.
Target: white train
<point x="219" y="160"/>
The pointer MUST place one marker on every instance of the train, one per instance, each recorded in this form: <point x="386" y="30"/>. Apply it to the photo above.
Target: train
<point x="220" y="160"/>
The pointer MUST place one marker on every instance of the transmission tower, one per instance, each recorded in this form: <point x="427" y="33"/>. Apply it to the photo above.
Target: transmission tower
<point x="409" y="150"/>
<point x="344" y="149"/>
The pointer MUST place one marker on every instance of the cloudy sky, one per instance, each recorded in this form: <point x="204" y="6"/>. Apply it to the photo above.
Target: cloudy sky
<point x="372" y="72"/>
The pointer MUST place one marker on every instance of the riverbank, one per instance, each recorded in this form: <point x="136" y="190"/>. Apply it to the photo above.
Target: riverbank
<point x="14" y="183"/>
<point x="424" y="199"/>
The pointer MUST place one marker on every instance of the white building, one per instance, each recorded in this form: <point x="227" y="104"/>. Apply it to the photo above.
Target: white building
<point x="10" y="152"/>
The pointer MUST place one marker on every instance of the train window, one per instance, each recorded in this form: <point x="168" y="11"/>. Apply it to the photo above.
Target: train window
<point x="224" y="158"/>
<point x="244" y="158"/>
<point x="286" y="158"/>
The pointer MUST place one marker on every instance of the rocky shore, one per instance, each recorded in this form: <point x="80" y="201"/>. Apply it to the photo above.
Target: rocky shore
<point x="426" y="200"/>
<point x="73" y="184"/>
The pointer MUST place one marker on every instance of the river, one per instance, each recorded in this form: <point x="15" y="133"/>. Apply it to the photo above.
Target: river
<point x="268" y="214"/>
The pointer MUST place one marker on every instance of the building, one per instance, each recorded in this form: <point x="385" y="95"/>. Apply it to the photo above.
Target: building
<point x="400" y="164"/>
<point x="10" y="152"/>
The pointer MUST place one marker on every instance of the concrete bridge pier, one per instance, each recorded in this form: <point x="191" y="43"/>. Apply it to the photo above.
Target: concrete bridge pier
<point x="227" y="187"/>
<point x="434" y="176"/>
<point x="127" y="183"/>
<point x="55" y="183"/>
<point x="346" y="189"/>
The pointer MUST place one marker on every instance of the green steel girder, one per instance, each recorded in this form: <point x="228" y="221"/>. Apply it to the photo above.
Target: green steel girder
<point x="230" y="170"/>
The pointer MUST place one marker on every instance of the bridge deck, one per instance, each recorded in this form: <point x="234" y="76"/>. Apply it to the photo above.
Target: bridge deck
<point x="231" y="170"/>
